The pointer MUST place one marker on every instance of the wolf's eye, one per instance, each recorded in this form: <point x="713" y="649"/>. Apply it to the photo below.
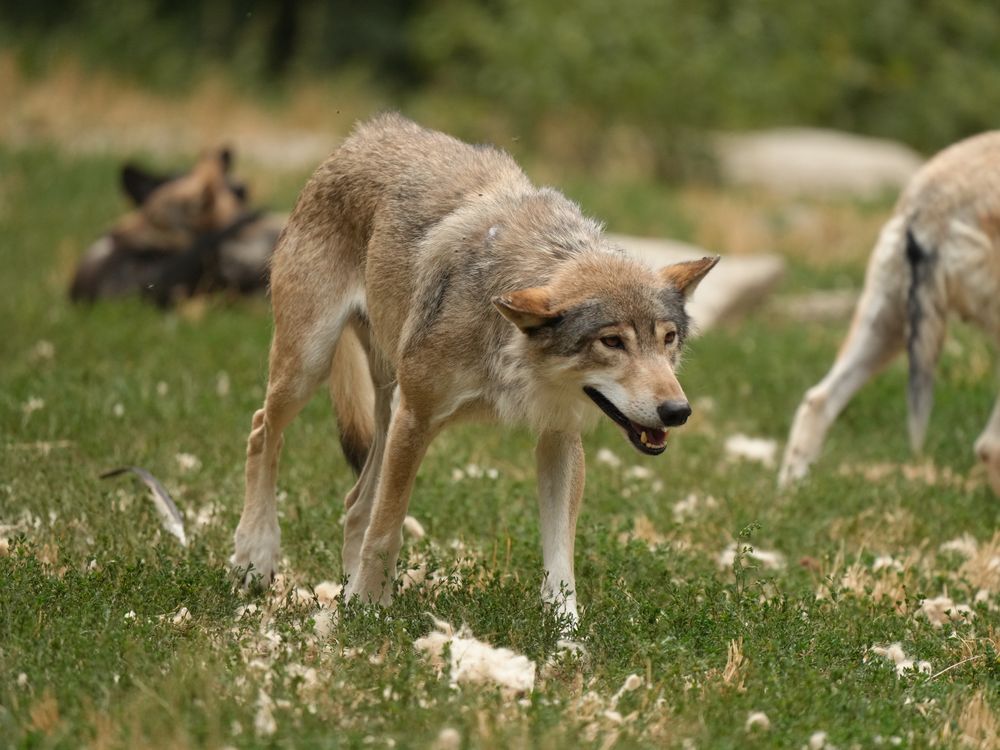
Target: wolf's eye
<point x="613" y="342"/>
<point x="670" y="338"/>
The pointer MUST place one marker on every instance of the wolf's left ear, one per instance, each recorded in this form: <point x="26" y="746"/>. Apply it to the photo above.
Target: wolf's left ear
<point x="686" y="276"/>
<point x="527" y="308"/>
<point x="226" y="158"/>
<point x="139" y="184"/>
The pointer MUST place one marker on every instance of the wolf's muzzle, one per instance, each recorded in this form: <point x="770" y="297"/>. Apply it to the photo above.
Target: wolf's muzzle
<point x="649" y="440"/>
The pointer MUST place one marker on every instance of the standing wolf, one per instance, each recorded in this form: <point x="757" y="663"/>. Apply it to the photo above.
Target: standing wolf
<point x="939" y="252"/>
<point x="469" y="294"/>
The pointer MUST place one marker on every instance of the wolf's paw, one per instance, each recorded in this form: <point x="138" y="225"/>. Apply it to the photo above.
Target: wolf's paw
<point x="257" y="554"/>
<point x="370" y="586"/>
<point x="793" y="469"/>
<point x="563" y="605"/>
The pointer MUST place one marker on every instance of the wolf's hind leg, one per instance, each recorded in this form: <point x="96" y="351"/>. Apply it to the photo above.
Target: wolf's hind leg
<point x="988" y="448"/>
<point x="561" y="472"/>
<point x="299" y="362"/>
<point x="877" y="334"/>
<point x="408" y="437"/>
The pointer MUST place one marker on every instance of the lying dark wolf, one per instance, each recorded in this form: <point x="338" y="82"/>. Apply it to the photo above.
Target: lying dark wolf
<point x="464" y="292"/>
<point x="939" y="253"/>
<point x="187" y="234"/>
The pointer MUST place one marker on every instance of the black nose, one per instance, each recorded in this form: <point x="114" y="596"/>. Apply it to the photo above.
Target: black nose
<point x="674" y="413"/>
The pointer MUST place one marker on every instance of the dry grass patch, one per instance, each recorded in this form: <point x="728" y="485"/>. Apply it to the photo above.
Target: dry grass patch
<point x="820" y="233"/>
<point x="86" y="111"/>
<point x="975" y="726"/>
<point x="982" y="569"/>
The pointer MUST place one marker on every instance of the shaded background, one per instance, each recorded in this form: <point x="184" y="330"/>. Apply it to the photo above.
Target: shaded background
<point x="926" y="72"/>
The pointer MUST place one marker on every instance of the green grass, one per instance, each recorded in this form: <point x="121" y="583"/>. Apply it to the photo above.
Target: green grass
<point x="124" y="384"/>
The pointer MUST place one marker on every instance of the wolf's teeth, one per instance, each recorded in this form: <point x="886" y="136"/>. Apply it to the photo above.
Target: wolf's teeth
<point x="642" y="438"/>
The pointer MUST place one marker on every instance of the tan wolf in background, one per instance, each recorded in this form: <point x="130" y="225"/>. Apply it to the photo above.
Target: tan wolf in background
<point x="939" y="253"/>
<point x="467" y="293"/>
<point x="187" y="233"/>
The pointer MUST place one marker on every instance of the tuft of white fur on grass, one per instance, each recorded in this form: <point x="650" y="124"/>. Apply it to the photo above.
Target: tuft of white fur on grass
<point x="473" y="471"/>
<point x="323" y="622"/>
<point x="691" y="505"/>
<point x="638" y="472"/>
<point x="4" y="546"/>
<point x="965" y="545"/>
<point x="327" y="593"/>
<point x="886" y="562"/>
<point x="222" y="384"/>
<point x="302" y="597"/>
<point x="474" y="662"/>
<point x="760" y="450"/>
<point x="43" y="350"/>
<point x="118" y="410"/>
<point x="32" y="405"/>
<point x="263" y="721"/>
<point x="22" y="680"/>
<point x="817" y="741"/>
<point x="181" y="617"/>
<point x="632" y="682"/>
<point x="187" y="462"/>
<point x="608" y="458"/>
<point x="757" y="720"/>
<point x="414" y="575"/>
<point x="162" y="389"/>
<point x="942" y="609"/>
<point x="448" y="738"/>
<point x="414" y="528"/>
<point x="245" y="609"/>
<point x="768" y="559"/>
<point x="903" y="663"/>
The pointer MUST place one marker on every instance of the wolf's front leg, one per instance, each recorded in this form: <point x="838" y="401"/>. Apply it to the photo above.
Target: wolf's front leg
<point x="409" y="436"/>
<point x="988" y="448"/>
<point x="258" y="537"/>
<point x="560" y="489"/>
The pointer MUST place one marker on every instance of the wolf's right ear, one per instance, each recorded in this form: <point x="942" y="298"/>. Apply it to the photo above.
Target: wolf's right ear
<point x="139" y="184"/>
<point x="527" y="308"/>
<point x="686" y="275"/>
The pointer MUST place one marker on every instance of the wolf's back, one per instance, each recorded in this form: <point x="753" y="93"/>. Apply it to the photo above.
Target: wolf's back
<point x="393" y="180"/>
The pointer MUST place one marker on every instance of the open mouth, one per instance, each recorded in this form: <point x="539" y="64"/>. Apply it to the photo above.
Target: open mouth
<point x="649" y="440"/>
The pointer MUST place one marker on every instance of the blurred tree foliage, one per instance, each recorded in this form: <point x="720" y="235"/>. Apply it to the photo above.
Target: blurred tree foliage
<point x="924" y="71"/>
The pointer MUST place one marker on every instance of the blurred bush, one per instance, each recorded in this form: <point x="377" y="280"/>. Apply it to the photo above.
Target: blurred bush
<point x="167" y="43"/>
<point x="923" y="71"/>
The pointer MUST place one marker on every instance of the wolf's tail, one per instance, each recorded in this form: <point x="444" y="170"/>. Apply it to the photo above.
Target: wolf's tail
<point x="926" y="318"/>
<point x="353" y="397"/>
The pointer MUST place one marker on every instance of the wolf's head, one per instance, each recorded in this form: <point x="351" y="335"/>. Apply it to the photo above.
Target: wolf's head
<point x="609" y="327"/>
<point x="172" y="209"/>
